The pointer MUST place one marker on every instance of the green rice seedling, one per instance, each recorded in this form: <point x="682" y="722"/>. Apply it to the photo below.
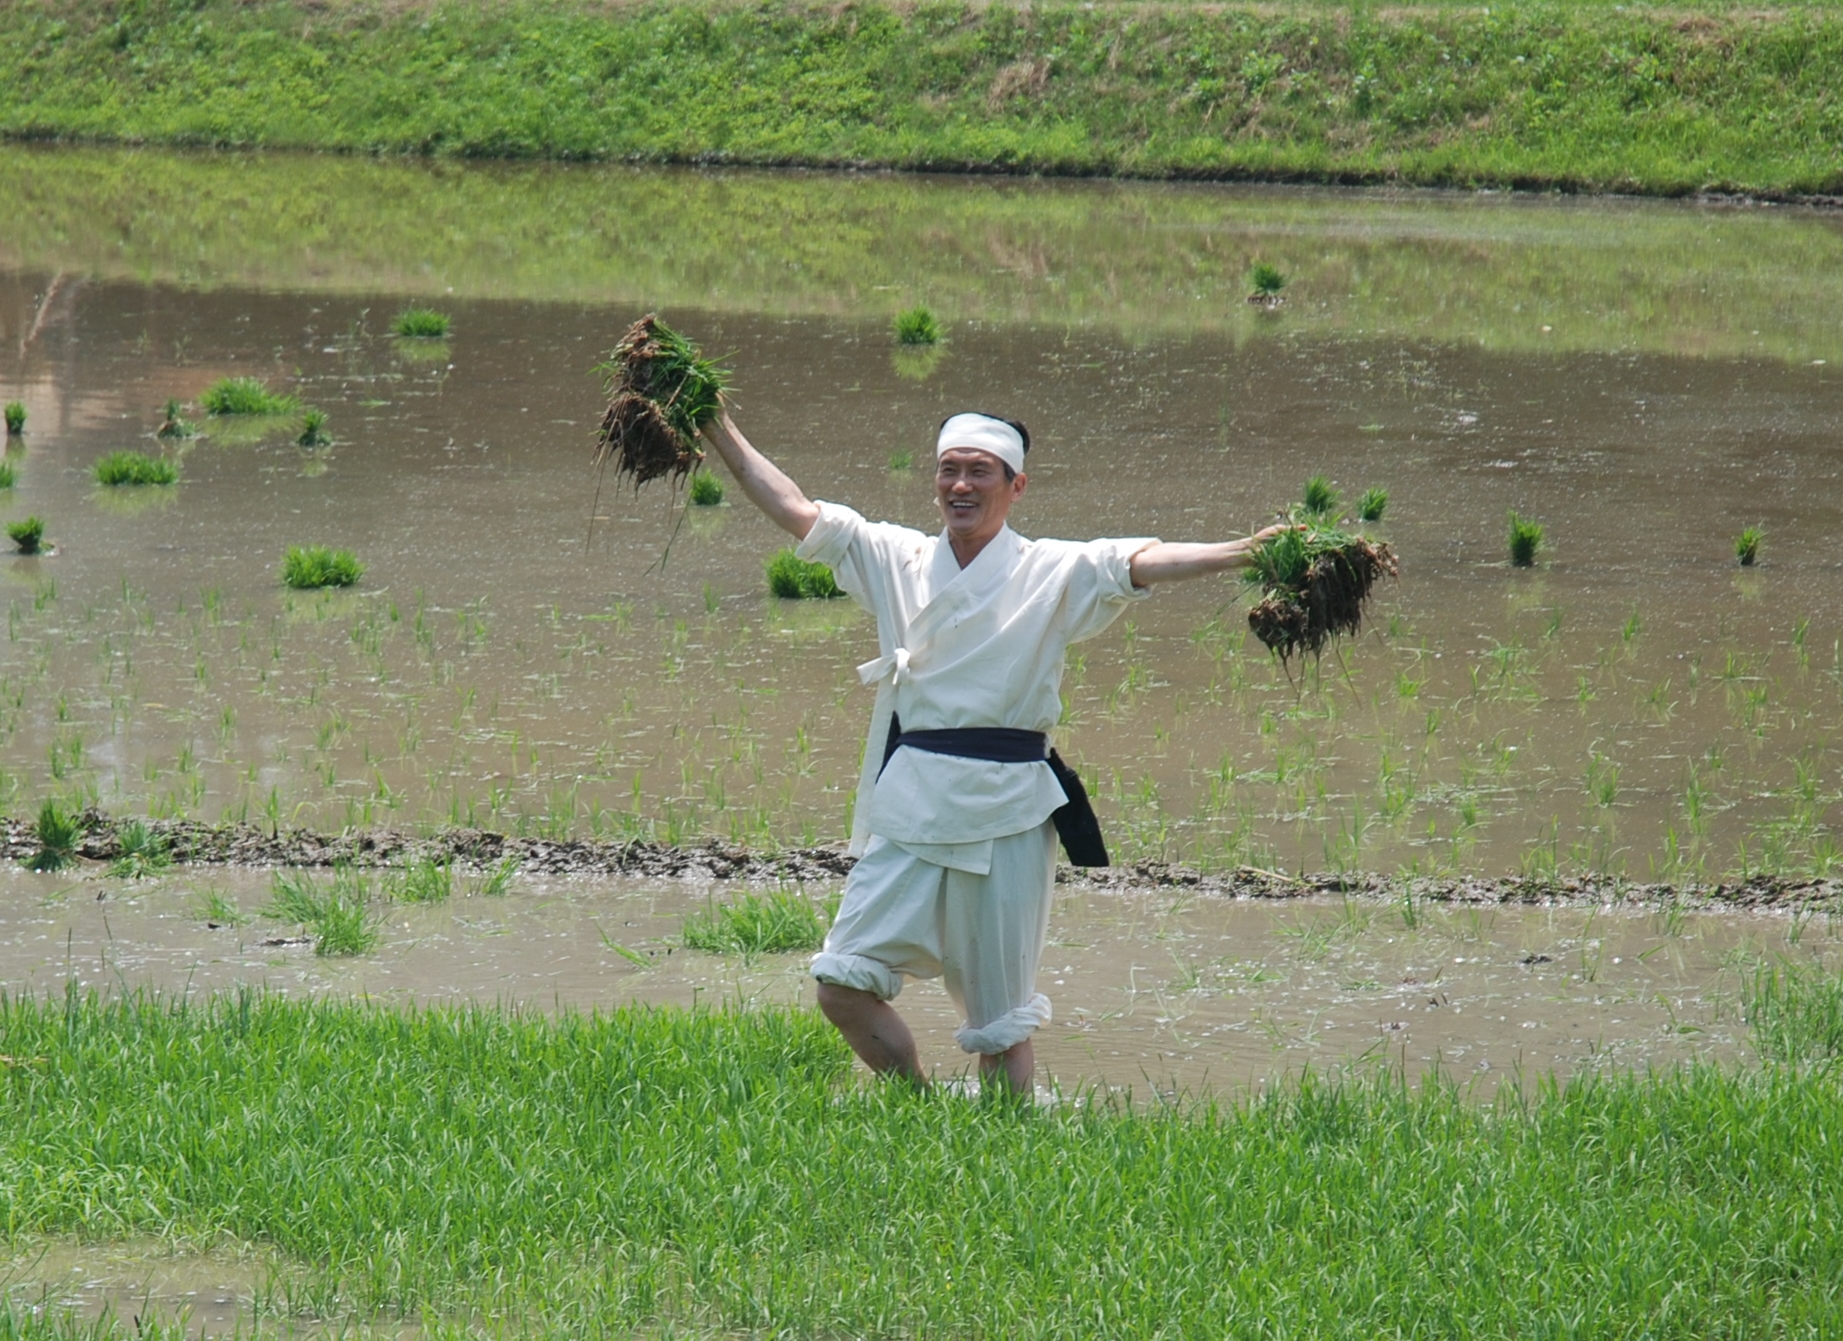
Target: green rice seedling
<point x="901" y="459"/>
<point x="57" y="832"/>
<point x="135" y="468"/>
<point x="778" y="922"/>
<point x="1525" y="541"/>
<point x="1371" y="505"/>
<point x="15" y="418"/>
<point x="1747" y="545"/>
<point x="793" y="578"/>
<point x="8" y="478"/>
<point x="917" y="326"/>
<point x="338" y="916"/>
<point x="1796" y="1012"/>
<point x="139" y="852"/>
<point x="1320" y="498"/>
<point x="27" y="536"/>
<point x="173" y="425"/>
<point x="1268" y="281"/>
<point x="662" y="391"/>
<point x="496" y="883"/>
<point x="307" y="567"/>
<point x="215" y="908"/>
<point x="421" y="323"/>
<point x="421" y="882"/>
<point x="246" y="396"/>
<point x="313" y="429"/>
<point x="706" y="489"/>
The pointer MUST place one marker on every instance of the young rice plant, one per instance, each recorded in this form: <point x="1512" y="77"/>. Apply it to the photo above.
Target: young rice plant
<point x="15" y="418"/>
<point x="917" y="326"/>
<point x="706" y="489"/>
<point x="313" y="429"/>
<point x="27" y="536"/>
<point x="135" y="468"/>
<point x="778" y="922"/>
<point x="246" y="396"/>
<point x="307" y="567"/>
<point x="57" y="832"/>
<point x="421" y="323"/>
<point x="1747" y="545"/>
<point x="1525" y="541"/>
<point x="793" y="578"/>
<point x="1372" y="504"/>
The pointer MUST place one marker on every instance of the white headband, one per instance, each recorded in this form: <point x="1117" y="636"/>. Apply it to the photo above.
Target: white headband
<point x="982" y="433"/>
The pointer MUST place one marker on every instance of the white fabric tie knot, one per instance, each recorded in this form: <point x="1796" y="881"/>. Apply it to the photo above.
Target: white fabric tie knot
<point x="894" y="666"/>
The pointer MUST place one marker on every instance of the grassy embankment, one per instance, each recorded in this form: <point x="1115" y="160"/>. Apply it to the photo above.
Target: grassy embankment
<point x="706" y="1173"/>
<point x="1666" y="101"/>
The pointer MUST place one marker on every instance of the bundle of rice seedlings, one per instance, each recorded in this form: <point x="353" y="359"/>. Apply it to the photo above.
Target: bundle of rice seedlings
<point x="1315" y="581"/>
<point x="795" y="579"/>
<point x="661" y="392"/>
<point x="28" y="536"/>
<point x="135" y="468"/>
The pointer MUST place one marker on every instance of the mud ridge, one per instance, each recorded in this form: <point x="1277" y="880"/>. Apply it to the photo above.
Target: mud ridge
<point x="196" y="843"/>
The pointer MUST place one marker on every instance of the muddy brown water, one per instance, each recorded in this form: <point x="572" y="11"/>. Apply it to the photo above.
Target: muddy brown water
<point x="1644" y="379"/>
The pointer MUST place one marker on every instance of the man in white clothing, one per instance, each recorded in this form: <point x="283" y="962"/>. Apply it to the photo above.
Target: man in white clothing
<point x="956" y="820"/>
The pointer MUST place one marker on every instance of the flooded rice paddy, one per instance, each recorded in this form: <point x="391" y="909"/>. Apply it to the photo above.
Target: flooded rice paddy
<point x="524" y="655"/>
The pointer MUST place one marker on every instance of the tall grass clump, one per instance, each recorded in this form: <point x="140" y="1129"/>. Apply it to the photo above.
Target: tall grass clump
<point x="1796" y="1012"/>
<point x="313" y="429"/>
<point x="1747" y="545"/>
<point x="27" y="535"/>
<point x="1372" y="504"/>
<point x="917" y="326"/>
<point x="246" y="396"/>
<point x="306" y="567"/>
<point x="421" y="882"/>
<point x="778" y="922"/>
<point x="421" y="323"/>
<point x="793" y="578"/>
<point x="15" y="418"/>
<point x="1320" y="499"/>
<point x="135" y="468"/>
<point x="139" y="852"/>
<point x="706" y="489"/>
<point x="618" y="1173"/>
<point x="1525" y="541"/>
<point x="56" y="832"/>
<point x="338" y="915"/>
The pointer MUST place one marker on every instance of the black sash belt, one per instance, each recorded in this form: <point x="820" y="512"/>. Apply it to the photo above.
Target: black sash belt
<point x="1075" y="823"/>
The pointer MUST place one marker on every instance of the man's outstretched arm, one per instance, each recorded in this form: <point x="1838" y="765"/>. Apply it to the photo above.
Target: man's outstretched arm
<point x="1172" y="561"/>
<point x="767" y="486"/>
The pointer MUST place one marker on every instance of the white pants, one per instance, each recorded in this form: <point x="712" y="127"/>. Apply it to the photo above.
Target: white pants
<point x="983" y="934"/>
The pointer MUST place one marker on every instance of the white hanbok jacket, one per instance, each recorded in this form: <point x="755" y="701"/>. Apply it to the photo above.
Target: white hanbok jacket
<point x="976" y="646"/>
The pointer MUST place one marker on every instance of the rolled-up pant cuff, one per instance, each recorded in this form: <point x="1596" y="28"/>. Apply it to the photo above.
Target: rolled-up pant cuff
<point x="866" y="975"/>
<point x="1008" y="1030"/>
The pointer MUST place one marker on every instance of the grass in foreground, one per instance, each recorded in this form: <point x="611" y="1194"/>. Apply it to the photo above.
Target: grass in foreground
<point x="307" y="567"/>
<point x="778" y="922"/>
<point x="246" y="396"/>
<point x="793" y="578"/>
<point x="709" y="1173"/>
<point x="135" y="468"/>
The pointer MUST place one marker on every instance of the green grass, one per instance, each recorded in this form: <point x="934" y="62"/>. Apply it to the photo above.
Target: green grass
<point x="1571" y="95"/>
<point x="421" y="882"/>
<point x="1319" y="500"/>
<point x="15" y="418"/>
<point x="135" y="468"/>
<point x="173" y="424"/>
<point x="917" y="326"/>
<point x="1796" y="1012"/>
<point x="306" y="567"/>
<point x="794" y="579"/>
<point x="56" y="832"/>
<point x="703" y="1174"/>
<point x="421" y="323"/>
<point x="139" y="852"/>
<point x="1267" y="280"/>
<point x="1372" y="505"/>
<point x="1525" y="541"/>
<point x="246" y="396"/>
<point x="706" y="489"/>
<point x="1747" y="545"/>
<point x="338" y="915"/>
<point x="27" y="534"/>
<point x="313" y="429"/>
<point x="778" y="922"/>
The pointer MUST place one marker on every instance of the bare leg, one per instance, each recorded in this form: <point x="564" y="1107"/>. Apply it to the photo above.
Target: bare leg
<point x="1013" y="1070"/>
<point x="874" y="1030"/>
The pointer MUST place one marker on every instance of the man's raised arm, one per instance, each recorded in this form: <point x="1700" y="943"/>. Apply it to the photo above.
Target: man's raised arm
<point x="767" y="486"/>
<point x="1173" y="561"/>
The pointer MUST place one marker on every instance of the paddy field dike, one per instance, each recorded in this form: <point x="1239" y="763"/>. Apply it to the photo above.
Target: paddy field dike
<point x="1668" y="99"/>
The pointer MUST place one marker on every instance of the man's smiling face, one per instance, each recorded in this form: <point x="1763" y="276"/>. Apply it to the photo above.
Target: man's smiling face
<point x="973" y="494"/>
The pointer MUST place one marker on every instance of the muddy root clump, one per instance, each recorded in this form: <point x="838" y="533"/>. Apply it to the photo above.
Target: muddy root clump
<point x="661" y="392"/>
<point x="1315" y="588"/>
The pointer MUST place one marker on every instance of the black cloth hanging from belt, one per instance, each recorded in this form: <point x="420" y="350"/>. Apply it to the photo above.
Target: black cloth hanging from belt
<point x="1075" y="823"/>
